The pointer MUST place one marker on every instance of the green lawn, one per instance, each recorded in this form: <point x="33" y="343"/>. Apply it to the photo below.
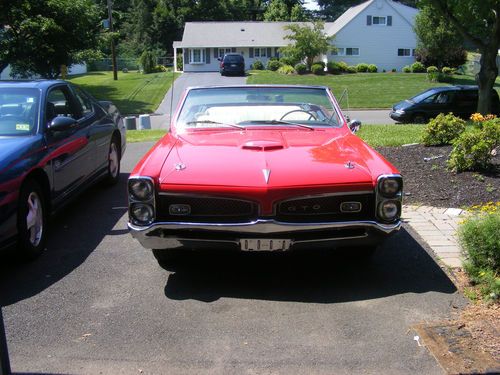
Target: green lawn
<point x="374" y="135"/>
<point x="366" y="90"/>
<point x="133" y="93"/>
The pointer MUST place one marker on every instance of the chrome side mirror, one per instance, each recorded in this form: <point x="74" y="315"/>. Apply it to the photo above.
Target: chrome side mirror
<point x="354" y="125"/>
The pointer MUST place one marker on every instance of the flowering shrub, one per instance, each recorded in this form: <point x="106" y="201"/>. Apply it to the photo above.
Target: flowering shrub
<point x="477" y="117"/>
<point x="442" y="130"/>
<point x="286" y="69"/>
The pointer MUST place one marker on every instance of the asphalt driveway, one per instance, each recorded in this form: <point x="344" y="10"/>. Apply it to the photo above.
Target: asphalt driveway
<point x="96" y="302"/>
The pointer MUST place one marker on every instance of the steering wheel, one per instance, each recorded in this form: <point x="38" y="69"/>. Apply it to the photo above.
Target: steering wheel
<point x="311" y="115"/>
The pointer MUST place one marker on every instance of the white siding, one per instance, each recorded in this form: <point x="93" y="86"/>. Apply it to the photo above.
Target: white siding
<point x="377" y="44"/>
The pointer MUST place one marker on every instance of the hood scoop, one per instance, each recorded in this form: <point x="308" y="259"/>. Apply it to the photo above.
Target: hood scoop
<point x="263" y="146"/>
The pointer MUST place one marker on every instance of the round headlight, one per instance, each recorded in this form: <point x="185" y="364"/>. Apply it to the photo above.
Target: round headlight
<point x="142" y="213"/>
<point x="389" y="186"/>
<point x="141" y="189"/>
<point x="388" y="210"/>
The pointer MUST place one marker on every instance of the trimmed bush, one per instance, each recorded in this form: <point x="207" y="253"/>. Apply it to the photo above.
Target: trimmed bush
<point x="322" y="63"/>
<point x="317" y="69"/>
<point x="273" y="65"/>
<point x="257" y="65"/>
<point x="147" y="62"/>
<point x="433" y="73"/>
<point x="394" y="70"/>
<point x="480" y="240"/>
<point x="417" y="67"/>
<point x="442" y="130"/>
<point x="447" y="70"/>
<point x="343" y="66"/>
<point x="286" y="60"/>
<point x="333" y="67"/>
<point x="286" y="69"/>
<point x="472" y="150"/>
<point x="432" y="69"/>
<point x="406" y="69"/>
<point x="301" y="68"/>
<point x="351" y="69"/>
<point x="372" y="68"/>
<point x="362" y="68"/>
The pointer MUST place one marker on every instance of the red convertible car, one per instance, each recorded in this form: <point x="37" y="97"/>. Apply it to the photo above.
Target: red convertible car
<point x="262" y="168"/>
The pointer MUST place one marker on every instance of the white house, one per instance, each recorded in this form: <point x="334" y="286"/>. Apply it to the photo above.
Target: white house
<point x="376" y="32"/>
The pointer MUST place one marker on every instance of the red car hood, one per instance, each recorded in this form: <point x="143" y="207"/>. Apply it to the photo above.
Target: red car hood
<point x="297" y="157"/>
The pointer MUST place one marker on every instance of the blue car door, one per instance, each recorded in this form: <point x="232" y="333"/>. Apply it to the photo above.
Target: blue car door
<point x="70" y="150"/>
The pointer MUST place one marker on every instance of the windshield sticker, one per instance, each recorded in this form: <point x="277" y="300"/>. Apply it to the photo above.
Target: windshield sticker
<point x="23" y="127"/>
<point x="30" y="100"/>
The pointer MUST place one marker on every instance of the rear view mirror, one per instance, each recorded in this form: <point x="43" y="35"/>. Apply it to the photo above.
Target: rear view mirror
<point x="354" y="125"/>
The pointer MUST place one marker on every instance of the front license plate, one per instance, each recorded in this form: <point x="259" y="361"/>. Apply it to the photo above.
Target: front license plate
<point x="262" y="244"/>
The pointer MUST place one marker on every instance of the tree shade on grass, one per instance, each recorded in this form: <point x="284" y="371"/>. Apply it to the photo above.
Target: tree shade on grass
<point x="366" y="90"/>
<point x="133" y="93"/>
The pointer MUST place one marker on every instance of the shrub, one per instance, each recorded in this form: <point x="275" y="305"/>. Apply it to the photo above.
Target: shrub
<point x="432" y="69"/>
<point x="287" y="60"/>
<point x="407" y="69"/>
<point x="480" y="240"/>
<point x="442" y="130"/>
<point x="147" y="61"/>
<point x="343" y="66"/>
<point x="301" y="68"/>
<point x="286" y="69"/>
<point x="372" y="68"/>
<point x="433" y="73"/>
<point x="362" y="68"/>
<point x="257" y="65"/>
<point x="179" y="63"/>
<point x="273" y="65"/>
<point x="317" y="69"/>
<point x="447" y="70"/>
<point x="383" y="70"/>
<point x="472" y="150"/>
<point x="322" y="63"/>
<point x="417" y="67"/>
<point x="351" y="69"/>
<point x="394" y="70"/>
<point x="333" y="67"/>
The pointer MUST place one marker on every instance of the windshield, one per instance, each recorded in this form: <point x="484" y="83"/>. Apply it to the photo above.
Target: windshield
<point x="419" y="97"/>
<point x="245" y="107"/>
<point x="18" y="111"/>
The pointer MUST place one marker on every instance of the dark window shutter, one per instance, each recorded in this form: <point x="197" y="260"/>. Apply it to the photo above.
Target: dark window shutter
<point x="389" y="20"/>
<point x="216" y="53"/>
<point x="207" y="56"/>
<point x="269" y="53"/>
<point x="233" y="49"/>
<point x="368" y="20"/>
<point x="250" y="52"/>
<point x="276" y="52"/>
<point x="186" y="56"/>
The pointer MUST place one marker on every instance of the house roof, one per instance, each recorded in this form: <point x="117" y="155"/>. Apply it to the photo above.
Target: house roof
<point x="268" y="34"/>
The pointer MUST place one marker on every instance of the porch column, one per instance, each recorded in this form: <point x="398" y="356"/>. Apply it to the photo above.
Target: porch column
<point x="175" y="59"/>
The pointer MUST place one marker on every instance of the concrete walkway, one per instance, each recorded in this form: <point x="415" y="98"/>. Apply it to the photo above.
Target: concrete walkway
<point x="438" y="228"/>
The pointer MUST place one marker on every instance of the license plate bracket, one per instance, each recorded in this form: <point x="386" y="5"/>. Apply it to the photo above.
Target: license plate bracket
<point x="265" y="244"/>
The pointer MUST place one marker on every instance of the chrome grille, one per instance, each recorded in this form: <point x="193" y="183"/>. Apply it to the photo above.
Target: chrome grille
<point x="325" y="208"/>
<point x="207" y="209"/>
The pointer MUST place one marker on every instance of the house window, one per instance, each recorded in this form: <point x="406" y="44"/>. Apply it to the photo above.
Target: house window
<point x="260" y="52"/>
<point x="339" y="52"/>
<point x="256" y="52"/>
<point x="263" y="52"/>
<point x="404" y="51"/>
<point x="379" y="20"/>
<point x="223" y="51"/>
<point x="197" y="56"/>
<point x="352" y="51"/>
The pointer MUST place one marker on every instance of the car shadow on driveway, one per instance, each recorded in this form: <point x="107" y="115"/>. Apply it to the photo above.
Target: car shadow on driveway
<point x="75" y="232"/>
<point x="402" y="266"/>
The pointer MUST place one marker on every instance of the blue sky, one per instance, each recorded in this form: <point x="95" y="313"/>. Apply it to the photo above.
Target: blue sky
<point x="311" y="5"/>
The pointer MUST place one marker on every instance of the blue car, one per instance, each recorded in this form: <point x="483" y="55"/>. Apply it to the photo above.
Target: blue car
<point x="55" y="141"/>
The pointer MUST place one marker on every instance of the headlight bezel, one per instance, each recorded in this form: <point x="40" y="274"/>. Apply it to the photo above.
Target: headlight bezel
<point x="148" y="200"/>
<point x="135" y="217"/>
<point x="394" y="195"/>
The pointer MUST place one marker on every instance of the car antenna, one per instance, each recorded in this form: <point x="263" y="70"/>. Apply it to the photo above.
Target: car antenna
<point x="346" y="94"/>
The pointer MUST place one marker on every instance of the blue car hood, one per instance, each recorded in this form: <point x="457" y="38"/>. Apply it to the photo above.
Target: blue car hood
<point x="16" y="148"/>
<point x="404" y="104"/>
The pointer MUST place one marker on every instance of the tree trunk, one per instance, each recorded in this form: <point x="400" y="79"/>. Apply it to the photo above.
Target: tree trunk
<point x="3" y="65"/>
<point x="486" y="77"/>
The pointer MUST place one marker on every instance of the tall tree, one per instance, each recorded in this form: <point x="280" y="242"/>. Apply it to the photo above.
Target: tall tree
<point x="438" y="43"/>
<point x="479" y="23"/>
<point x="309" y="41"/>
<point x="39" y="36"/>
<point x="277" y="11"/>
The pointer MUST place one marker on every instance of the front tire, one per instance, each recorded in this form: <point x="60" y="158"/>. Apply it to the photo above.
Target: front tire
<point x="420" y="118"/>
<point x="113" y="174"/>
<point x="31" y="220"/>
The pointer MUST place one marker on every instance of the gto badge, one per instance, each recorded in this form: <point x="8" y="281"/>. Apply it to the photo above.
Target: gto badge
<point x="349" y="165"/>
<point x="267" y="173"/>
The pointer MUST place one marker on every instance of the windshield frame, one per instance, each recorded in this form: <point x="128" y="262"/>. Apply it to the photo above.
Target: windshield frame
<point x="333" y="115"/>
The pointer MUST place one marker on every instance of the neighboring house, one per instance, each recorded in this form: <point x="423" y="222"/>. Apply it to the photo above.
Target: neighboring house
<point x="376" y="32"/>
<point x="74" y="69"/>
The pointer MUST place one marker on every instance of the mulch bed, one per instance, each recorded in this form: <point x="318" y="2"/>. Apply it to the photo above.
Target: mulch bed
<point x="429" y="182"/>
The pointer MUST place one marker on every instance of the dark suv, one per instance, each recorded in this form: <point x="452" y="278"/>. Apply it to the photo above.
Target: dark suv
<point x="461" y="100"/>
<point x="232" y="63"/>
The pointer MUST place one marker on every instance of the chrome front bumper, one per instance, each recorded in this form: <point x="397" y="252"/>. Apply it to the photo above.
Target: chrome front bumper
<point x="164" y="235"/>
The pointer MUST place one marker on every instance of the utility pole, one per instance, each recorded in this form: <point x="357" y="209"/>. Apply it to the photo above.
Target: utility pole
<point x="113" y="54"/>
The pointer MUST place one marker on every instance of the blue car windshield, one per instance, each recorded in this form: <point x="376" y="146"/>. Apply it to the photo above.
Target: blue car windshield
<point x="18" y="111"/>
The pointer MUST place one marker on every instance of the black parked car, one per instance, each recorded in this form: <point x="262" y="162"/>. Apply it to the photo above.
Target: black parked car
<point x="55" y="140"/>
<point x="460" y="100"/>
<point x="232" y="63"/>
